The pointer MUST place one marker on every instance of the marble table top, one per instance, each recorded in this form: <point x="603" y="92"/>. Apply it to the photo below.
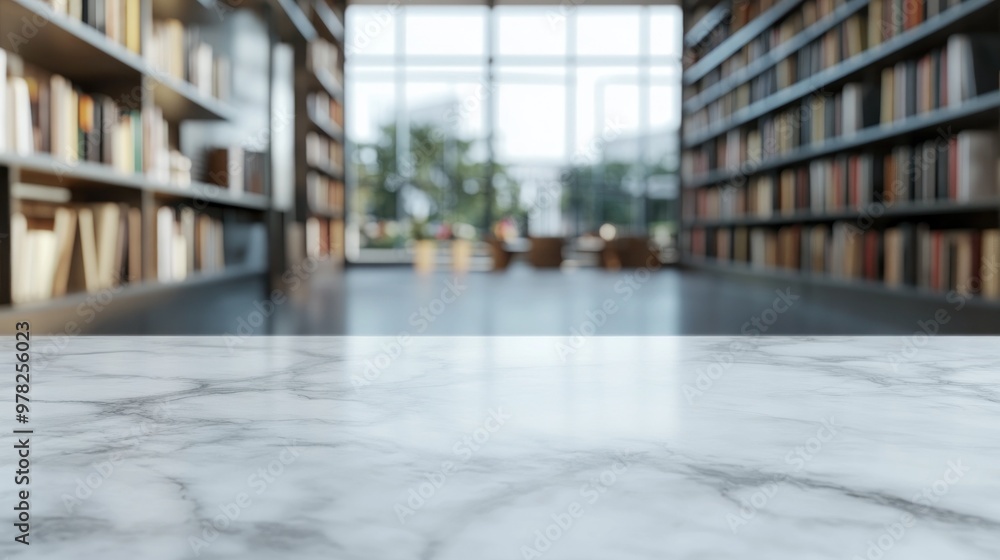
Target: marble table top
<point x="513" y="448"/>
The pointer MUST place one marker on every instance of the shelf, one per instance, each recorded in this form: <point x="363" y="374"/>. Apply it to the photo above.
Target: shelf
<point x="897" y="48"/>
<point x="732" y="44"/>
<point x="984" y="109"/>
<point x="332" y="26"/>
<point x="706" y="25"/>
<point x="326" y="214"/>
<point x="43" y="169"/>
<point x="896" y="211"/>
<point x="322" y="80"/>
<point x="200" y="11"/>
<point x="292" y="23"/>
<point x="861" y="286"/>
<point x="68" y="47"/>
<point x="180" y="100"/>
<point x="198" y="279"/>
<point x="328" y="129"/>
<point x="213" y="194"/>
<point x="774" y="56"/>
<point x="327" y="170"/>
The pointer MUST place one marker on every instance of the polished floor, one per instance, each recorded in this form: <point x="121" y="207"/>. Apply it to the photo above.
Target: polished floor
<point x="492" y="448"/>
<point x="389" y="300"/>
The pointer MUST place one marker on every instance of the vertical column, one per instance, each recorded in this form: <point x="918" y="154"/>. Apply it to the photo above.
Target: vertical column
<point x="5" y="236"/>
<point x="642" y="147"/>
<point x="491" y="121"/>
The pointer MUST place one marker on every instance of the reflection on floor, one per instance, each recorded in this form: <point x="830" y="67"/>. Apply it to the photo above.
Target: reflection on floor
<point x="526" y="301"/>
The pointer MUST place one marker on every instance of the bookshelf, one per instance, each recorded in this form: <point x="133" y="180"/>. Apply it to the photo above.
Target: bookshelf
<point x="844" y="144"/>
<point x="174" y="241"/>
<point x="320" y="148"/>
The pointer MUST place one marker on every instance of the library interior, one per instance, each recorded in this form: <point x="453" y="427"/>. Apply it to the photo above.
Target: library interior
<point x="565" y="168"/>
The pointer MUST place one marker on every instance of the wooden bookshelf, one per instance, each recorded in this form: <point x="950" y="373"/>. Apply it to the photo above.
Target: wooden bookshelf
<point x="196" y="123"/>
<point x="883" y="228"/>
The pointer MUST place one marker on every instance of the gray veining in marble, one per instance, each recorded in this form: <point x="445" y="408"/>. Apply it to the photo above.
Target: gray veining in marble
<point x="514" y="448"/>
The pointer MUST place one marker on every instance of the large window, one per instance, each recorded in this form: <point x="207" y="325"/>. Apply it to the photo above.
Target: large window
<point x="552" y="119"/>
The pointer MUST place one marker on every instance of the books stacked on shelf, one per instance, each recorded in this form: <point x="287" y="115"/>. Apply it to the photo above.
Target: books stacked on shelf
<point x="325" y="194"/>
<point x="324" y="153"/>
<point x="236" y="169"/>
<point x="806" y="15"/>
<point x="967" y="66"/>
<point x="324" y="238"/>
<point x="964" y="261"/>
<point x="815" y="120"/>
<point x="62" y="249"/>
<point x="120" y="20"/>
<point x="187" y="242"/>
<point x="958" y="168"/>
<point x="46" y="113"/>
<point x="181" y="53"/>
<point x="164" y="163"/>
<point x="323" y="57"/>
<point x="740" y="13"/>
<point x="849" y="38"/>
<point x="326" y="110"/>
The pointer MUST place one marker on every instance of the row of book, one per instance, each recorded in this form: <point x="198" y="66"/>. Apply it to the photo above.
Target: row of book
<point x="186" y="242"/>
<point x="964" y="260"/>
<point x="57" y="250"/>
<point x="119" y="20"/>
<point x="814" y="120"/>
<point x="325" y="194"/>
<point x="740" y="13"/>
<point x="959" y="168"/>
<point x="883" y="20"/>
<point x="322" y="56"/>
<point x="63" y="249"/>
<point x="324" y="238"/>
<point x="326" y="109"/>
<point x="967" y="66"/>
<point x="180" y="52"/>
<point x="45" y="112"/>
<point x="324" y="152"/>
<point x="803" y="17"/>
<point x="970" y="70"/>
<point x="237" y="169"/>
<point x="41" y="112"/>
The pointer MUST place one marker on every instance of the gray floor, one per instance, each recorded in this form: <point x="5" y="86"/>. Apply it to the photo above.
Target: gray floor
<point x="524" y="301"/>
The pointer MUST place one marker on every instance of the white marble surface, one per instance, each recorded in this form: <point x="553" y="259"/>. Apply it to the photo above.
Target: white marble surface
<point x="801" y="449"/>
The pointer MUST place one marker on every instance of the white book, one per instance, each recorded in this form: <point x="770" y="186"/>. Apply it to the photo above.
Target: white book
<point x="19" y="258"/>
<point x="977" y="164"/>
<point x="44" y="263"/>
<point x="165" y="243"/>
<point x="22" y="136"/>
